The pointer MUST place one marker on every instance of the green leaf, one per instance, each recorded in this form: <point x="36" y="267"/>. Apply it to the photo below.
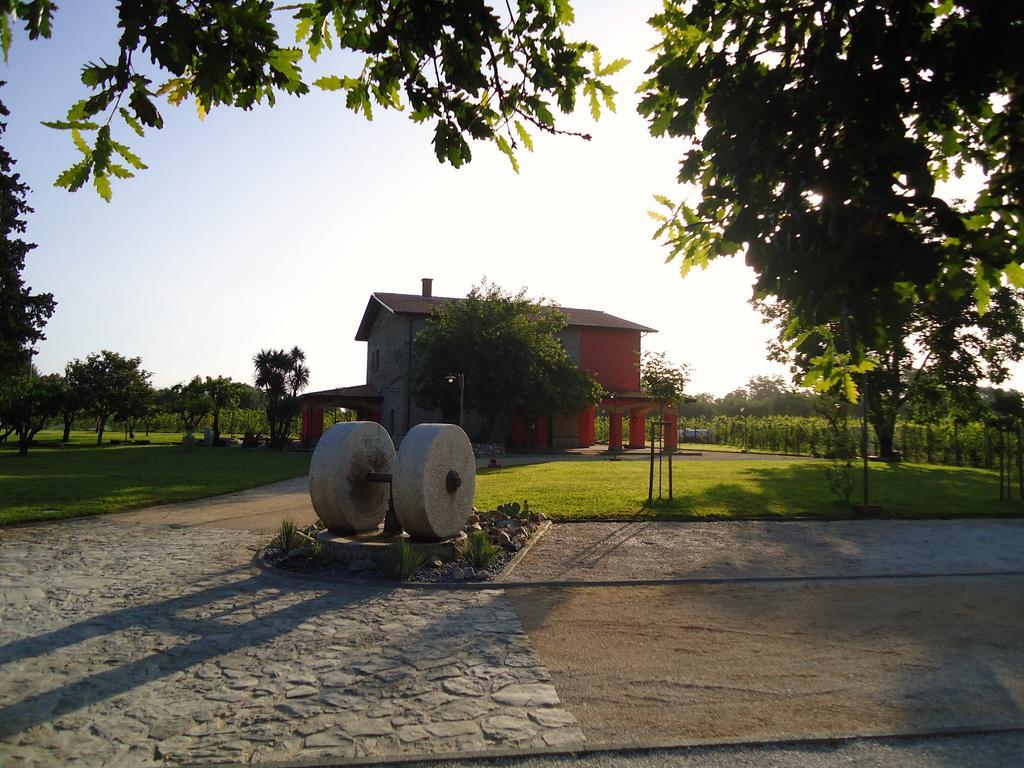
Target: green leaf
<point x="63" y="125"/>
<point x="565" y="12"/>
<point x="74" y="177"/>
<point x="329" y="83"/>
<point x="982" y="293"/>
<point x="120" y="171"/>
<point x="615" y="66"/>
<point x="283" y="60"/>
<point x="102" y="184"/>
<point x="505" y="147"/>
<point x="1015" y="274"/>
<point x="133" y="160"/>
<point x="524" y="136"/>
<point x="79" y="142"/>
<point x="134" y="124"/>
<point x="665" y="202"/>
<point x="5" y="34"/>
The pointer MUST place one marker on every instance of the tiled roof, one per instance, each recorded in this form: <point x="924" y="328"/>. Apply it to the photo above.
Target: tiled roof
<point x="413" y="304"/>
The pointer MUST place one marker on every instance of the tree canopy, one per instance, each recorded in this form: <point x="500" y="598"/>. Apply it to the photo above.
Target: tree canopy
<point x="22" y="313"/>
<point x="507" y="347"/>
<point x="819" y="133"/>
<point x="477" y="71"/>
<point x="110" y="384"/>
<point x="662" y="380"/>
<point x="282" y="374"/>
<point x="27" y="403"/>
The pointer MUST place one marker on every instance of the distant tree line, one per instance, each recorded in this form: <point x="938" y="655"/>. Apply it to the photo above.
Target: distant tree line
<point x="108" y="388"/>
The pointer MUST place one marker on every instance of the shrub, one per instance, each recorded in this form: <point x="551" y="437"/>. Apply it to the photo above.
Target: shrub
<point x="478" y="550"/>
<point x="402" y="561"/>
<point x="288" y="537"/>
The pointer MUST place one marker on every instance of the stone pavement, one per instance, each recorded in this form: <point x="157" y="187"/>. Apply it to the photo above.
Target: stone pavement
<point x="134" y="643"/>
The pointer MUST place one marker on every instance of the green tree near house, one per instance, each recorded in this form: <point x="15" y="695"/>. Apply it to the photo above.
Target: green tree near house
<point x="818" y="136"/>
<point x="191" y="402"/>
<point x="224" y="394"/>
<point x="507" y="347"/>
<point x="477" y="71"/>
<point x="663" y="381"/>
<point x="23" y="314"/>
<point x="108" y="381"/>
<point x="281" y="374"/>
<point x="28" y="403"/>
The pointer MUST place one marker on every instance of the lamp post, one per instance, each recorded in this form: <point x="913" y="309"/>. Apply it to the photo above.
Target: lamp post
<point x="611" y="415"/>
<point x="451" y="378"/>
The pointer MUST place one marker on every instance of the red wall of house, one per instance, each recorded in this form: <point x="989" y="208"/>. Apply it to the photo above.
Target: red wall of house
<point x="613" y="355"/>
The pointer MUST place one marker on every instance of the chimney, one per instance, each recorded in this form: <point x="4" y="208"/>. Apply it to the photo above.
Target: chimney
<point x="428" y="286"/>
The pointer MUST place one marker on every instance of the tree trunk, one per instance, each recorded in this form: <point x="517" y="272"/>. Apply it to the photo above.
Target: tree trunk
<point x="216" y="426"/>
<point x="69" y="419"/>
<point x="885" y="430"/>
<point x="24" y="438"/>
<point x="101" y="424"/>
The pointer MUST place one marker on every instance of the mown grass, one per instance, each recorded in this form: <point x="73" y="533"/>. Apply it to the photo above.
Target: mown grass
<point x="52" y="483"/>
<point x="740" y="489"/>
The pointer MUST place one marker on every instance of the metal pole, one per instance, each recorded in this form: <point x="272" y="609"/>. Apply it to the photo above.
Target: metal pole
<point x="864" y="440"/>
<point x="462" y="393"/>
<point x="650" y="482"/>
<point x="670" y="475"/>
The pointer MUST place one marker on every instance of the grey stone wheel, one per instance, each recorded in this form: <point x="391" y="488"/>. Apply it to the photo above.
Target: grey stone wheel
<point x="342" y="496"/>
<point x="435" y="479"/>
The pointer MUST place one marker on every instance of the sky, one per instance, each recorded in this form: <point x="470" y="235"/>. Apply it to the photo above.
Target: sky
<point x="271" y="228"/>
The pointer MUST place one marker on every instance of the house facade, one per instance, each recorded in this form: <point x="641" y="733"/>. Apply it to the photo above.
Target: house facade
<point x="607" y="346"/>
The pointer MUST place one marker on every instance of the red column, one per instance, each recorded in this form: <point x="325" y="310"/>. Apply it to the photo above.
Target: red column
<point x="541" y="432"/>
<point x="316" y="423"/>
<point x="585" y="427"/>
<point x="671" y="430"/>
<point x="518" y="431"/>
<point x="615" y="431"/>
<point x="637" y="426"/>
<point x="305" y="420"/>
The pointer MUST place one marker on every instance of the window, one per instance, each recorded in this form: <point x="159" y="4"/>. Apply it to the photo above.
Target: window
<point x="375" y="361"/>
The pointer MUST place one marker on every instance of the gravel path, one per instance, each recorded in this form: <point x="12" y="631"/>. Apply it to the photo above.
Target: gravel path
<point x="981" y="751"/>
<point x="677" y="550"/>
<point x="133" y="643"/>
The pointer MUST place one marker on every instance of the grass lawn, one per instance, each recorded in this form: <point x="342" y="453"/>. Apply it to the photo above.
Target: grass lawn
<point x="53" y="482"/>
<point x="594" y="489"/>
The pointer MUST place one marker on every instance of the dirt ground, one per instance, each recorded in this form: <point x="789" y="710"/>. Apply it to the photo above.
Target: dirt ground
<point x="259" y="509"/>
<point x="662" y="663"/>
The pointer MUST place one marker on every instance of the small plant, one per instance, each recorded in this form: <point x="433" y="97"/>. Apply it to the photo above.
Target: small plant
<point x="513" y="511"/>
<point x="402" y="561"/>
<point x="288" y="537"/>
<point x="478" y="550"/>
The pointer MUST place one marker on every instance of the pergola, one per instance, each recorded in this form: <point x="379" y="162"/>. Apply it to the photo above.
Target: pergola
<point x="636" y="405"/>
<point x="364" y="399"/>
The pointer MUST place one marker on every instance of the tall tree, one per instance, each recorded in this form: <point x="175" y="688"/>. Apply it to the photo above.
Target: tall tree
<point x="76" y="398"/>
<point x="946" y="342"/>
<point x="224" y="393"/>
<point x="22" y="313"/>
<point x="192" y="403"/>
<point x="478" y="70"/>
<point x="107" y="379"/>
<point x="27" y="403"/>
<point x="282" y="375"/>
<point x="663" y="381"/>
<point x="507" y="348"/>
<point x="818" y="133"/>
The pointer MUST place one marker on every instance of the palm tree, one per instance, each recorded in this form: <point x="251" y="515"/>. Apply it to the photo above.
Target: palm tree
<point x="282" y="375"/>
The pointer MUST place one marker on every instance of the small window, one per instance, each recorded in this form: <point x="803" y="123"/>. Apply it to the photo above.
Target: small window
<point x="375" y="361"/>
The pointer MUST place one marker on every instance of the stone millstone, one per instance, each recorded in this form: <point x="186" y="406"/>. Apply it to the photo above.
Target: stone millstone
<point x="425" y="507"/>
<point x="342" y="496"/>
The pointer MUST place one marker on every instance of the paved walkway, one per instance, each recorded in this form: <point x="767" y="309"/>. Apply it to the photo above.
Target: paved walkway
<point x="133" y="643"/>
<point x="593" y="552"/>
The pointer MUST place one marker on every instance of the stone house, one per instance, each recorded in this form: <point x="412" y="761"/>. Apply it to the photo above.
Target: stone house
<point x="607" y="346"/>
